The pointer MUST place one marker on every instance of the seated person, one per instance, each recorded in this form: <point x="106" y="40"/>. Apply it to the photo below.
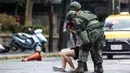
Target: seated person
<point x="67" y="53"/>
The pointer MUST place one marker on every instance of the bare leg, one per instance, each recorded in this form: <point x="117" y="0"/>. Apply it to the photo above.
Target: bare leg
<point x="65" y="55"/>
<point x="68" y="59"/>
<point x="63" y="62"/>
<point x="62" y="69"/>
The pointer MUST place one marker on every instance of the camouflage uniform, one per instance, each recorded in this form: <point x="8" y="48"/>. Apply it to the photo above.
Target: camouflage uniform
<point x="94" y="34"/>
<point x="90" y="31"/>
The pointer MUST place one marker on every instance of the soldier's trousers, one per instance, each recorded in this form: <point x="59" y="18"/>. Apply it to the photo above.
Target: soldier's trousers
<point x="94" y="49"/>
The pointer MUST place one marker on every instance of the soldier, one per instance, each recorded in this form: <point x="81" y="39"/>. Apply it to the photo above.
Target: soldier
<point x="90" y="31"/>
<point x="75" y="6"/>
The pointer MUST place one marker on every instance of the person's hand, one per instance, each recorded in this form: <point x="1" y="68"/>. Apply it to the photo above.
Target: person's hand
<point x="73" y="31"/>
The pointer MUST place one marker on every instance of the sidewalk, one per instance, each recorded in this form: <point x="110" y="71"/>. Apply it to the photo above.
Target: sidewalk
<point x="21" y="55"/>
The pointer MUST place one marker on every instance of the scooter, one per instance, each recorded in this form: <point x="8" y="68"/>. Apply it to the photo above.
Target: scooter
<point x="24" y="41"/>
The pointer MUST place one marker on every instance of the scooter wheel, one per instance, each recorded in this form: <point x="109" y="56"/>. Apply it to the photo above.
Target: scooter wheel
<point x="7" y="48"/>
<point x="14" y="48"/>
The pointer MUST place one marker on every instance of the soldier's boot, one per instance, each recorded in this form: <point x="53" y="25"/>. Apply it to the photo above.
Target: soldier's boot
<point x="99" y="68"/>
<point x="85" y="66"/>
<point x="80" y="68"/>
<point x="95" y="67"/>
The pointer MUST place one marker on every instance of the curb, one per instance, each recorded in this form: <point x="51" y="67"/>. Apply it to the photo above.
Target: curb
<point x="48" y="55"/>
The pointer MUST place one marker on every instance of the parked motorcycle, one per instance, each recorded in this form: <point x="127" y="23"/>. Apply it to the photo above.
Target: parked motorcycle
<point x="24" y="41"/>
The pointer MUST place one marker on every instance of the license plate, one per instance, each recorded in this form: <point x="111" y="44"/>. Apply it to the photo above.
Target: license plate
<point x="116" y="47"/>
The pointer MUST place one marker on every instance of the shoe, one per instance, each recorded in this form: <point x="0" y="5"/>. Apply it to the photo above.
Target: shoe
<point x="85" y="66"/>
<point x="99" y="68"/>
<point x="95" y="67"/>
<point x="58" y="69"/>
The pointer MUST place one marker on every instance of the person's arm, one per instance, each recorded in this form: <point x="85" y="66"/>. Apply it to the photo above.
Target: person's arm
<point x="80" y="30"/>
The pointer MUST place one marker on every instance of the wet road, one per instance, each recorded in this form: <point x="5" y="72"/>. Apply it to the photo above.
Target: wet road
<point x="117" y="65"/>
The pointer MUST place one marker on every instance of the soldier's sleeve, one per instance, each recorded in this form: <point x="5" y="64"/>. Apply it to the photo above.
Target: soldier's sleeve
<point x="81" y="32"/>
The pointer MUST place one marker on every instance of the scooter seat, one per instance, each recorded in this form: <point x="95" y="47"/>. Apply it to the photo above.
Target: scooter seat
<point x="26" y="35"/>
<point x="21" y="37"/>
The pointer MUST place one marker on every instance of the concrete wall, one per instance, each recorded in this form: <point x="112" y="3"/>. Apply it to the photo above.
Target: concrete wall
<point x="40" y="19"/>
<point x="43" y="19"/>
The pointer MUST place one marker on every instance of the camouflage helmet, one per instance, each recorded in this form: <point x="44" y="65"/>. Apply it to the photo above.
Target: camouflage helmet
<point x="75" y="6"/>
<point x="70" y="14"/>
